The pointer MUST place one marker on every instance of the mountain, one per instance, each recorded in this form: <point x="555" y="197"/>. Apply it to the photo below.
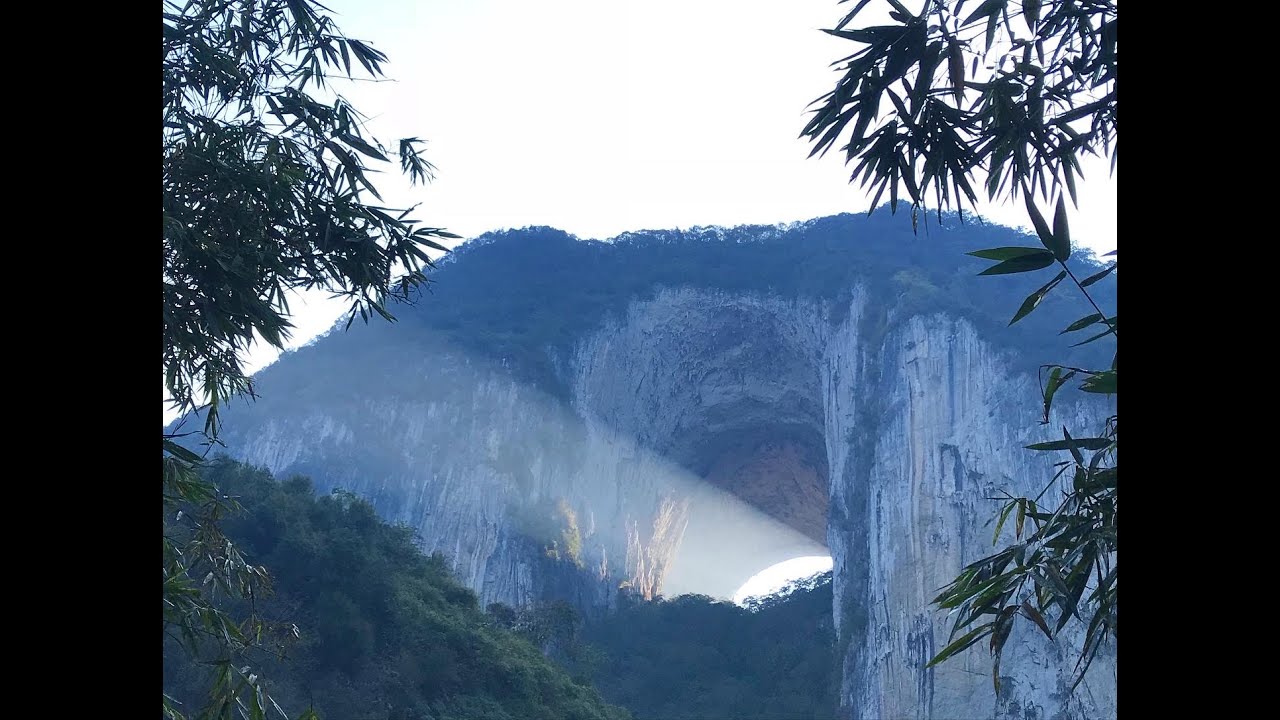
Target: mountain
<point x="673" y="411"/>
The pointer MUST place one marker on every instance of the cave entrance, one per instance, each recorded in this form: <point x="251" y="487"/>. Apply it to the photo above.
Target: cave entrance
<point x="731" y="390"/>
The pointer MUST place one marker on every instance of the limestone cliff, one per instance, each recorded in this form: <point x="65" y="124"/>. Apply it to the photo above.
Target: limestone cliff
<point x="950" y="420"/>
<point x="693" y="436"/>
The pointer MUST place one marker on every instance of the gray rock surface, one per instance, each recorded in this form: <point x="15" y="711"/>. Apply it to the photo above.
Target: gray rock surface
<point x="952" y="423"/>
<point x="799" y="413"/>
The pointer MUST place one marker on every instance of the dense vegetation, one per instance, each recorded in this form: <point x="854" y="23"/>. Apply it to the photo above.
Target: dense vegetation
<point x="385" y="632"/>
<point x="522" y="297"/>
<point x="694" y="657"/>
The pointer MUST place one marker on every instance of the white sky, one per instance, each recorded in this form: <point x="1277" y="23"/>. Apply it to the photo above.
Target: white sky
<point x="599" y="117"/>
<point x="603" y="116"/>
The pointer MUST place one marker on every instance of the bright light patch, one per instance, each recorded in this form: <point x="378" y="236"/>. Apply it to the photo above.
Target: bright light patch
<point x="774" y="577"/>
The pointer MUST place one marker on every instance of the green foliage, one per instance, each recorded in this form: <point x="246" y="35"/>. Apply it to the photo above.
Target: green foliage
<point x="203" y="567"/>
<point x="553" y="627"/>
<point x="384" y="631"/>
<point x="1064" y="552"/>
<point x="570" y="535"/>
<point x="1046" y="97"/>
<point x="265" y="191"/>
<point x="265" y="188"/>
<point x="693" y="657"/>
<point x="552" y="525"/>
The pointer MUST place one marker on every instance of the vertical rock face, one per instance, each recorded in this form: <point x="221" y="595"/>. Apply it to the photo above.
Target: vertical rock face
<point x="953" y="420"/>
<point x="700" y="437"/>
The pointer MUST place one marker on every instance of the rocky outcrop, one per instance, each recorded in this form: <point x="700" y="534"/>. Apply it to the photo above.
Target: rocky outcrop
<point x="949" y="427"/>
<point x="703" y="436"/>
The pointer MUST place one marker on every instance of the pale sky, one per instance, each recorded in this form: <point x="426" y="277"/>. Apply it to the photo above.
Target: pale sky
<point x="600" y="117"/>
<point x="603" y="116"/>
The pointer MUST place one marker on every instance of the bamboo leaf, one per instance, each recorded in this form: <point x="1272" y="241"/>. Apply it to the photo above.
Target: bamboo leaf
<point x="1056" y="380"/>
<point x="1004" y="515"/>
<point x="1071" y="445"/>
<point x="1031" y="13"/>
<point x="1005" y="253"/>
<point x="1061" y="232"/>
<point x="962" y="643"/>
<point x="1082" y="323"/>
<point x="180" y="452"/>
<point x="1098" y="276"/>
<point x="1111" y="329"/>
<point x="1033" y="300"/>
<point x="364" y="147"/>
<point x="955" y="59"/>
<point x="1025" y="263"/>
<point x="1091" y="443"/>
<point x="1102" y="383"/>
<point x="1041" y="227"/>
<point x="990" y="7"/>
<point x="1035" y="617"/>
